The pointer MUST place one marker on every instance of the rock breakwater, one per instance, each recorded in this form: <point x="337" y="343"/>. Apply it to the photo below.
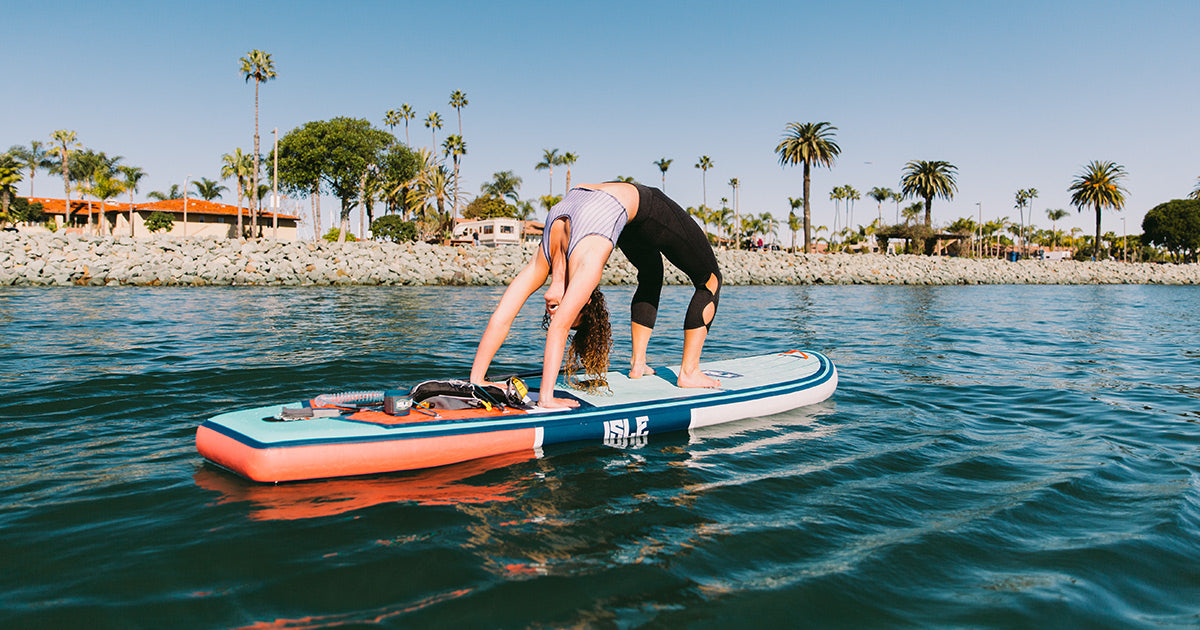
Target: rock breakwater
<point x="74" y="260"/>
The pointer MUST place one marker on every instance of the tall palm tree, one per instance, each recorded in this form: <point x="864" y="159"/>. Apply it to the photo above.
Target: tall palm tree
<point x="734" y="184"/>
<point x="836" y="196"/>
<point x="550" y="157"/>
<point x="704" y="163"/>
<point x="928" y="179"/>
<point x="236" y="166"/>
<point x="257" y="65"/>
<point x="880" y="195"/>
<point x="172" y="193"/>
<point x="1024" y="199"/>
<point x="433" y="122"/>
<point x="1195" y="194"/>
<point x="132" y="175"/>
<point x="1056" y="216"/>
<point x="897" y="197"/>
<point x="208" y="189"/>
<point x="34" y="157"/>
<point x="567" y="160"/>
<point x="808" y="144"/>
<point x="663" y="165"/>
<point x="851" y="195"/>
<point x="67" y="145"/>
<point x="458" y="100"/>
<point x="768" y="225"/>
<point x="454" y="148"/>
<point x="1099" y="186"/>
<point x="394" y="117"/>
<point x="794" y="223"/>
<point x="391" y="118"/>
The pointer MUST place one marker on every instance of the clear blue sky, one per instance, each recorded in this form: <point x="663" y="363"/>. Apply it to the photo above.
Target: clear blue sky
<point x="1016" y="94"/>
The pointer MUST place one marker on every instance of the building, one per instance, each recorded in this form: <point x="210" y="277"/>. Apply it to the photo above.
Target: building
<point x="496" y="231"/>
<point x="193" y="217"/>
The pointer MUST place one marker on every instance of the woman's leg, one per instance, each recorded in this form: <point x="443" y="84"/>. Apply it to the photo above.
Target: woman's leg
<point x="644" y="307"/>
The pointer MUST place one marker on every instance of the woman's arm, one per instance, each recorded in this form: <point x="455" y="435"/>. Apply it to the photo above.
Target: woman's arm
<point x="527" y="281"/>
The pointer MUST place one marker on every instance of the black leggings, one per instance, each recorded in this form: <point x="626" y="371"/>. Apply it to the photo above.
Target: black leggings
<point x="662" y="228"/>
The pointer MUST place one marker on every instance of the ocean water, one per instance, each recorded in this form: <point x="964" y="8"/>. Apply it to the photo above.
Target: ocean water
<point x="994" y="457"/>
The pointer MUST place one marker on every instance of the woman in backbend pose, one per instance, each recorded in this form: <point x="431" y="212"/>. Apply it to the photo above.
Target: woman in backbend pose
<point x="580" y="234"/>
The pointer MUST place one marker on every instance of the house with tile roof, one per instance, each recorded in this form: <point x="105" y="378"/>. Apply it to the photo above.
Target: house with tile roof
<point x="193" y="218"/>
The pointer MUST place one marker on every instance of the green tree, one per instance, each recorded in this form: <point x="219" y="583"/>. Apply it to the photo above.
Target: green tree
<point x="550" y="158"/>
<point x="1055" y="216"/>
<point x="171" y="193"/>
<point x="488" y="207"/>
<point x="22" y="211"/>
<point x="10" y="175"/>
<point x="454" y="148"/>
<point x="810" y="144"/>
<point x="880" y="195"/>
<point x="704" y="163"/>
<point x="1174" y="225"/>
<point x="794" y="222"/>
<point x="567" y="160"/>
<point x="1098" y="186"/>
<point x="67" y="145"/>
<point x="1196" y="191"/>
<point x="394" y="228"/>
<point x="397" y="168"/>
<point x="393" y="117"/>
<point x="928" y="179"/>
<point x="106" y="187"/>
<point x="34" y="158"/>
<point x="257" y="65"/>
<point x="458" y="100"/>
<point x="301" y="159"/>
<point x="433" y="122"/>
<point x="663" y="165"/>
<point x="131" y="175"/>
<point x="159" y="221"/>
<point x="504" y="184"/>
<point x="208" y="189"/>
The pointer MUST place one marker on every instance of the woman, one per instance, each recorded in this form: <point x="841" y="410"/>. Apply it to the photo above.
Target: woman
<point x="580" y="234"/>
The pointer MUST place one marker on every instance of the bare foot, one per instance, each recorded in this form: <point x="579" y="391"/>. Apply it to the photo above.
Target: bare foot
<point x="640" y="371"/>
<point x="557" y="403"/>
<point x="697" y="379"/>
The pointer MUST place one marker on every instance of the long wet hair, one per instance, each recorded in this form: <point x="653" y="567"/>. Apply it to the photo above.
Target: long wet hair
<point x="590" y="345"/>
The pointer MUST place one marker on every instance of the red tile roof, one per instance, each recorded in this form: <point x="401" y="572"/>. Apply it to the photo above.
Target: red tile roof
<point x="56" y="206"/>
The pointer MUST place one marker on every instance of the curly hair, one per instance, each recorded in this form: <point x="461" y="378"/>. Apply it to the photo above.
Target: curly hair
<point x="591" y="344"/>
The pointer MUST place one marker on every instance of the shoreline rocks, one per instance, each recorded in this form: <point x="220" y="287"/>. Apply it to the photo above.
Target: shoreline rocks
<point x="75" y="260"/>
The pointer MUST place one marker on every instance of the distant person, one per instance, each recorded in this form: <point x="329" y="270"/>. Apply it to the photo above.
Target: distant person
<point x="580" y="234"/>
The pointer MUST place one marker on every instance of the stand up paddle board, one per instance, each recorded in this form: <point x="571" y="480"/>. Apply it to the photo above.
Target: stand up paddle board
<point x="445" y="422"/>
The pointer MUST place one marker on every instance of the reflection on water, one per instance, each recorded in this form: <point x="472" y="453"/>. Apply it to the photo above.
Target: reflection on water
<point x="1011" y="456"/>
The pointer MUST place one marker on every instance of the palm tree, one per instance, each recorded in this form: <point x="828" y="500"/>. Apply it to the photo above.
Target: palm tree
<point x="208" y="189"/>
<point x="10" y="175"/>
<point x="67" y="144"/>
<point x="256" y="65"/>
<point x="1024" y="199"/>
<point x="1055" y="216"/>
<point x="1099" y="186"/>
<point x="235" y="166"/>
<point x="550" y="157"/>
<point x="704" y="164"/>
<point x="794" y="223"/>
<point x="33" y="157"/>
<point x="897" y="198"/>
<point x="458" y="100"/>
<point x="836" y="196"/>
<point x="504" y="184"/>
<point x="880" y="195"/>
<point x="105" y="186"/>
<point x="433" y="122"/>
<point x="928" y="179"/>
<point x="808" y="144"/>
<point x="663" y="165"/>
<point x="768" y="225"/>
<point x="393" y="117"/>
<point x="567" y="160"/>
<point x="172" y="193"/>
<point x="1195" y="191"/>
<point x="132" y="175"/>
<point x="454" y="148"/>
<point x="850" y="194"/>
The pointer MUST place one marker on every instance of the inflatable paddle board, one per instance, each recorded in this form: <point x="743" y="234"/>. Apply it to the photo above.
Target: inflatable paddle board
<point x="446" y="422"/>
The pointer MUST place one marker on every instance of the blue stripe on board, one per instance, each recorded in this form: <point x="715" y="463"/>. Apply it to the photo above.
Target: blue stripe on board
<point x="577" y="424"/>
